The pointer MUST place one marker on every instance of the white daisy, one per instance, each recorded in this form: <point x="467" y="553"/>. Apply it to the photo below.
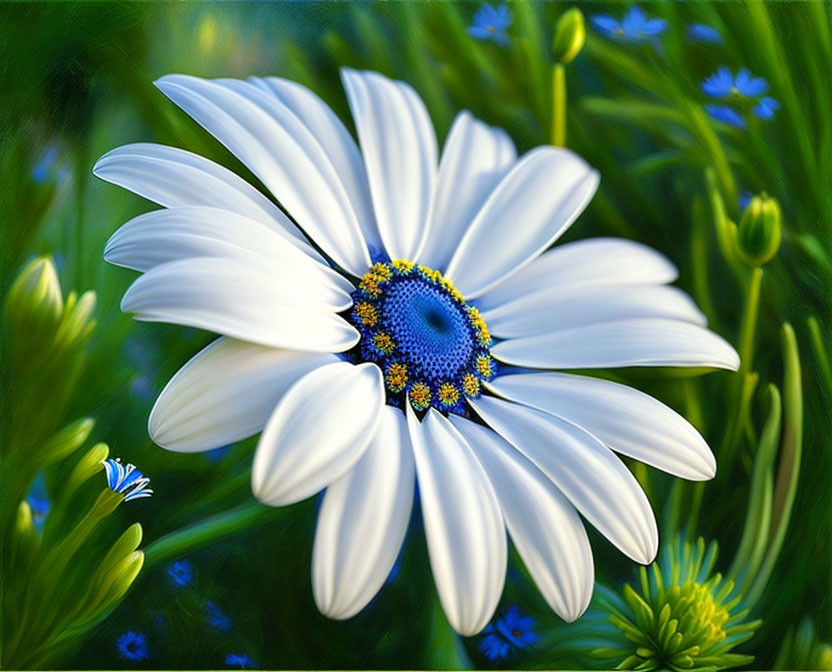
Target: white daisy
<point x="364" y="337"/>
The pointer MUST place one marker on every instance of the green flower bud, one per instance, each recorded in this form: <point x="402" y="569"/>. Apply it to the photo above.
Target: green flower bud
<point x="759" y="232"/>
<point x="77" y="323"/>
<point x="67" y="441"/>
<point x="35" y="304"/>
<point x="570" y="35"/>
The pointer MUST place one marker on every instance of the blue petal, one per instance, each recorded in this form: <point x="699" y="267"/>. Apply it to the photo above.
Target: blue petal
<point x="606" y="23"/>
<point x="653" y="27"/>
<point x="701" y="32"/>
<point x="725" y="114"/>
<point x="719" y="84"/>
<point x="766" y="108"/>
<point x="750" y="86"/>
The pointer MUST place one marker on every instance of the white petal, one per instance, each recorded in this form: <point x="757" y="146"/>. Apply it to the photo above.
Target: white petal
<point x="640" y="342"/>
<point x="556" y="309"/>
<point x="628" y="421"/>
<point x="543" y="524"/>
<point x="583" y="469"/>
<point x="594" y="262"/>
<point x="225" y="393"/>
<point x="173" y="177"/>
<point x="279" y="308"/>
<point x="162" y="236"/>
<point x="399" y="148"/>
<point x="476" y="156"/>
<point x="363" y="521"/>
<point x="336" y="141"/>
<point x="463" y="523"/>
<point x="534" y="204"/>
<point x="318" y="431"/>
<point x="280" y="150"/>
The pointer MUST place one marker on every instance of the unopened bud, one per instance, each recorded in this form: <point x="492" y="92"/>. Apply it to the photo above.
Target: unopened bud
<point x="759" y="232"/>
<point x="35" y="304"/>
<point x="570" y="35"/>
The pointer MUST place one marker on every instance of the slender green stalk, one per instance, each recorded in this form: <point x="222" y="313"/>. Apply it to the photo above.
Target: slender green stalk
<point x="790" y="455"/>
<point x="740" y="393"/>
<point x="758" y="516"/>
<point x="207" y="531"/>
<point x="821" y="355"/>
<point x="558" y="105"/>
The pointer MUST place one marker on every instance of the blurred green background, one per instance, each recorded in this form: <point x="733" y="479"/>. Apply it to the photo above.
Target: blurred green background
<point x="78" y="81"/>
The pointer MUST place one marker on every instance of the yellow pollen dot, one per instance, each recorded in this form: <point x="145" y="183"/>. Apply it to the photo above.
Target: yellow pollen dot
<point x="471" y="385"/>
<point x="396" y="376"/>
<point x="383" y="342"/>
<point x="431" y="274"/>
<point x="381" y="271"/>
<point x="420" y="396"/>
<point x="366" y="313"/>
<point x="448" y="394"/>
<point x="479" y="326"/>
<point x="448" y="286"/>
<point x="370" y="285"/>
<point x="484" y="366"/>
<point x="402" y="266"/>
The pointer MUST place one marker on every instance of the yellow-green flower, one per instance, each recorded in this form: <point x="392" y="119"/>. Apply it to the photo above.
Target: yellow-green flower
<point x="680" y="616"/>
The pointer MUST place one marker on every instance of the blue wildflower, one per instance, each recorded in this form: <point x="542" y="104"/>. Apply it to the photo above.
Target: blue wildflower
<point x="133" y="646"/>
<point x="43" y="168"/>
<point x="723" y="84"/>
<point x="726" y="114"/>
<point x="180" y="573"/>
<point x="766" y="108"/>
<point x="240" y="661"/>
<point x="745" y="199"/>
<point x="216" y="618"/>
<point x="38" y="502"/>
<point x="142" y="388"/>
<point x="126" y="480"/>
<point x="702" y="32"/>
<point x="634" y="26"/>
<point x="507" y="635"/>
<point x="490" y="23"/>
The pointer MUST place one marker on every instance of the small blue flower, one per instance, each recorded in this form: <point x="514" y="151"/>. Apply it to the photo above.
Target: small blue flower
<point x="744" y="200"/>
<point x="766" y="108"/>
<point x="127" y="481"/>
<point x="505" y="636"/>
<point x="133" y="646"/>
<point x="722" y="84"/>
<point x="634" y="26"/>
<point x="180" y="573"/>
<point x="726" y="114"/>
<point x="43" y="168"/>
<point x="702" y="32"/>
<point x="39" y="502"/>
<point x="240" y="661"/>
<point x="142" y="388"/>
<point x="216" y="618"/>
<point x="490" y="23"/>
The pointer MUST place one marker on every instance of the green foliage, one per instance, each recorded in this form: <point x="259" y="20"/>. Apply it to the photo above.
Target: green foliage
<point x="56" y="586"/>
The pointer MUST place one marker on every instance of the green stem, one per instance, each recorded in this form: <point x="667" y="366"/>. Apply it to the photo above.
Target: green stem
<point x="740" y="400"/>
<point x="558" y="105"/>
<point x="208" y="530"/>
<point x="788" y="471"/>
<point x="821" y="355"/>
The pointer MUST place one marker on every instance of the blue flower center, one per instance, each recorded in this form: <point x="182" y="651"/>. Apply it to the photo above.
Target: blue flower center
<point x="431" y="345"/>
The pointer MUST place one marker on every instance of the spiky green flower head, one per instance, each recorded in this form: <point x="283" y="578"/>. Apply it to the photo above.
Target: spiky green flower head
<point x="681" y="616"/>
